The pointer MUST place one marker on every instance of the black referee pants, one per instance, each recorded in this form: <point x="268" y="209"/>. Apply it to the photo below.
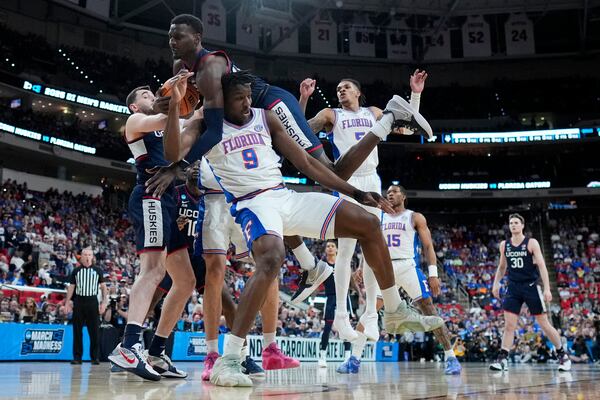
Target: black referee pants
<point x="85" y="313"/>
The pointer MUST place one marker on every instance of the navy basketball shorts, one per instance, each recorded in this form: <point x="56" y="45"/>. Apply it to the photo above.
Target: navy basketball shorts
<point x="199" y="268"/>
<point x="330" y="306"/>
<point x="529" y="293"/>
<point x="286" y="107"/>
<point x="151" y="218"/>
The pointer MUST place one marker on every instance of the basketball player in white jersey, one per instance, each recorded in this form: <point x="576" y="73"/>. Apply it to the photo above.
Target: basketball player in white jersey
<point x="404" y="231"/>
<point x="248" y="169"/>
<point x="215" y="231"/>
<point x="345" y="127"/>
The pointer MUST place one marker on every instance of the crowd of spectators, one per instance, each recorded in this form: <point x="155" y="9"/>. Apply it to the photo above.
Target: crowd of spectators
<point x="42" y="234"/>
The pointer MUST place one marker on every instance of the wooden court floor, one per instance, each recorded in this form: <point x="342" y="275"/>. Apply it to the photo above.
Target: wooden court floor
<point x="376" y="381"/>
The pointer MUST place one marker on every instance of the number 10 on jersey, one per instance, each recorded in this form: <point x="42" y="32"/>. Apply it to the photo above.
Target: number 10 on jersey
<point x="250" y="158"/>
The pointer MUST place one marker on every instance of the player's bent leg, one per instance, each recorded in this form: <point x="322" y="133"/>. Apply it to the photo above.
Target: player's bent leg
<point x="426" y="306"/>
<point x="212" y="306"/>
<point x="129" y="355"/>
<point x="564" y="363"/>
<point x="268" y="252"/>
<point x="180" y="270"/>
<point x="272" y="357"/>
<point x="357" y="223"/>
<point x="510" y="324"/>
<point x="341" y="275"/>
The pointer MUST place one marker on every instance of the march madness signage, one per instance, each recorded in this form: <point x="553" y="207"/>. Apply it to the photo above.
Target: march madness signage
<point x="196" y="346"/>
<point x="42" y="341"/>
<point x="307" y="349"/>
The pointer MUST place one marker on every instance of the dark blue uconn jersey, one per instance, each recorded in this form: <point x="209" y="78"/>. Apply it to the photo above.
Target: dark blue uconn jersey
<point x="148" y="153"/>
<point x="259" y="86"/>
<point x="520" y="266"/>
<point x="187" y="215"/>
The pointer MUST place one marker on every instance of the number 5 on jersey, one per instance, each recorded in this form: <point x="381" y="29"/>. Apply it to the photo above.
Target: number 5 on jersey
<point x="250" y="158"/>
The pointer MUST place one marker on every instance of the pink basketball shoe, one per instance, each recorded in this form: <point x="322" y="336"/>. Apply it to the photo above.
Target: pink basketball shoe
<point x="273" y="358"/>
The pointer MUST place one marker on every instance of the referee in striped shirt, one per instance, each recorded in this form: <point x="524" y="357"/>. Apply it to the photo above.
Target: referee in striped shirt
<point x="83" y="289"/>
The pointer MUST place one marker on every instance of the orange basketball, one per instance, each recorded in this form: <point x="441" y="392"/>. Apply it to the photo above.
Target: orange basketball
<point x="188" y="103"/>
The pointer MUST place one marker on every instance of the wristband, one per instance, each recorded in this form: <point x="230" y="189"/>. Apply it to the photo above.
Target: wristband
<point x="383" y="126"/>
<point x="433" y="272"/>
<point x="415" y="100"/>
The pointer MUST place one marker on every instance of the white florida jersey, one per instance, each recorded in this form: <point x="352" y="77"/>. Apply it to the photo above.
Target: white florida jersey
<point x="206" y="178"/>
<point x="400" y="235"/>
<point x="244" y="161"/>
<point x="349" y="127"/>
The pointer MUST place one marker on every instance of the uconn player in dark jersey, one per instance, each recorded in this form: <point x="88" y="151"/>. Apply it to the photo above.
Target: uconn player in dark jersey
<point x="522" y="260"/>
<point x="152" y="217"/>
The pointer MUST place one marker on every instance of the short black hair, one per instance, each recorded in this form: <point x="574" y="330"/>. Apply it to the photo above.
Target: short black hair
<point x="517" y="216"/>
<point x="362" y="99"/>
<point x="132" y="96"/>
<point x="401" y="188"/>
<point x="194" y="22"/>
<point x="239" y="78"/>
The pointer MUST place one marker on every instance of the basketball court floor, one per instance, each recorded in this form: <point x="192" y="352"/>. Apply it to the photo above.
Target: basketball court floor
<point x="380" y="381"/>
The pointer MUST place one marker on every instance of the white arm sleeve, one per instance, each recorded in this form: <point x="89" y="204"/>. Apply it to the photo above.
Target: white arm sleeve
<point x="415" y="100"/>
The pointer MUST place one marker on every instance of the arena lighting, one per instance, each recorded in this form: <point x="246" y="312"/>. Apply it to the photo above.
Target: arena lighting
<point x="593" y="184"/>
<point x="63" y="94"/>
<point x="513" y="137"/>
<point x="494" y="186"/>
<point x="47" y="139"/>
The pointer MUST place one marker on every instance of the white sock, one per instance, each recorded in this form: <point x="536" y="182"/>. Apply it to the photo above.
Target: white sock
<point x="304" y="257"/>
<point x="233" y="345"/>
<point x="347" y="354"/>
<point x="359" y="345"/>
<point x="391" y="298"/>
<point x="342" y="273"/>
<point x="269" y="338"/>
<point x="371" y="288"/>
<point x="245" y="352"/>
<point x="323" y="354"/>
<point x="449" y="353"/>
<point x="212" y="346"/>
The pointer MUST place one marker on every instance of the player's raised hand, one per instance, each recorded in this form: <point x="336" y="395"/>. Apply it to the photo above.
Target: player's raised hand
<point x="373" y="199"/>
<point x="434" y="285"/>
<point x="307" y="87"/>
<point x="160" y="181"/>
<point x="417" y="81"/>
<point x="161" y="104"/>
<point x="180" y="82"/>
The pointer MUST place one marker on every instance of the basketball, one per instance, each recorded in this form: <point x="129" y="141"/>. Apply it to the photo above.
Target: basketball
<point x="188" y="103"/>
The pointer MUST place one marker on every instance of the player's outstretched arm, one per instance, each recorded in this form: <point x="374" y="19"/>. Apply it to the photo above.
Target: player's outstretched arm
<point x="500" y="271"/>
<point x="315" y="170"/>
<point x="208" y="81"/>
<point x="307" y="88"/>
<point x="427" y="243"/>
<point x="538" y="259"/>
<point x="171" y="134"/>
<point x="139" y="124"/>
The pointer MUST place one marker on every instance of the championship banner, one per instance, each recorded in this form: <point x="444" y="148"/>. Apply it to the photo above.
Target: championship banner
<point x="247" y="31"/>
<point x="362" y="37"/>
<point x="519" y="35"/>
<point x="287" y="34"/>
<point x="476" y="37"/>
<point x="399" y="41"/>
<point x="323" y="34"/>
<point x="437" y="47"/>
<point x="214" y="18"/>
<point x="305" y="349"/>
<point x="34" y="342"/>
